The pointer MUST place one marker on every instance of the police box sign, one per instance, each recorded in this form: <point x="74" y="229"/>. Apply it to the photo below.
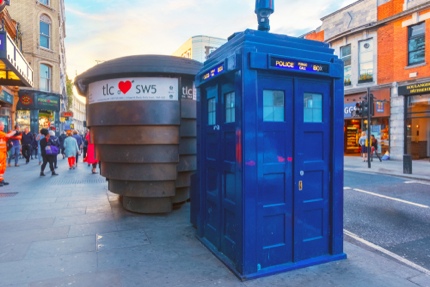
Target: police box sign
<point x="298" y="65"/>
<point x="133" y="89"/>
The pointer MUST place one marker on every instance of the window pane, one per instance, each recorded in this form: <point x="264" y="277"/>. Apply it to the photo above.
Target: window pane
<point x="416" y="44"/>
<point x="229" y="102"/>
<point x="416" y="30"/>
<point x="45" y="78"/>
<point x="416" y="57"/>
<point x="44" y="34"/>
<point x="312" y="112"/>
<point x="273" y="106"/>
<point x="345" y="51"/>
<point x="211" y="111"/>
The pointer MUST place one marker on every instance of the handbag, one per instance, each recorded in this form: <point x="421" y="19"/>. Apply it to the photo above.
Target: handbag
<point x="52" y="150"/>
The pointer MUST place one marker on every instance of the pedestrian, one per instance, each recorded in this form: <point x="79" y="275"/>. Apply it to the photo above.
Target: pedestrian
<point x="78" y="139"/>
<point x="16" y="146"/>
<point x="39" y="137"/>
<point x="374" y="142"/>
<point x="55" y="142"/>
<point x="70" y="149"/>
<point x="47" y="157"/>
<point x="62" y="137"/>
<point x="362" y="141"/>
<point x="85" y="146"/>
<point x="91" y="159"/>
<point x="34" y="146"/>
<point x="3" y="152"/>
<point x="26" y="141"/>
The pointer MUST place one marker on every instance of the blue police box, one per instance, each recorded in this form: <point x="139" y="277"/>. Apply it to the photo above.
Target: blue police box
<point x="269" y="188"/>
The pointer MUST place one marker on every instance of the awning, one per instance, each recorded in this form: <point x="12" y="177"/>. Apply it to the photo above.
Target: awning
<point x="14" y="69"/>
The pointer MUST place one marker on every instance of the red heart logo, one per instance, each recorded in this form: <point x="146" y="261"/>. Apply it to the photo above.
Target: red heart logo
<point x="124" y="87"/>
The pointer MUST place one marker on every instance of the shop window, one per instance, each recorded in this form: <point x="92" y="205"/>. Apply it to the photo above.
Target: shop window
<point x="365" y="61"/>
<point x="45" y="32"/>
<point x="345" y="55"/>
<point x="229" y="107"/>
<point x="416" y="44"/>
<point x="46" y="119"/>
<point x="23" y="119"/>
<point x="273" y="106"/>
<point x="45" y="78"/>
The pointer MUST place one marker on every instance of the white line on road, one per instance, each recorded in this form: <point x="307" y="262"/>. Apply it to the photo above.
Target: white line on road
<point x="392" y="198"/>
<point x="387" y="252"/>
<point x="417" y="181"/>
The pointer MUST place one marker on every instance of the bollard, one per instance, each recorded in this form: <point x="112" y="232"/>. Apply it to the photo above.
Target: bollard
<point x="407" y="164"/>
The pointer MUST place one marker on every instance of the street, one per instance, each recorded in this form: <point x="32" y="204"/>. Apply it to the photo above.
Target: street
<point x="390" y="212"/>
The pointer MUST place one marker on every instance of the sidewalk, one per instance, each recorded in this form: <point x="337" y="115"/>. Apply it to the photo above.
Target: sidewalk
<point x="420" y="168"/>
<point x="69" y="230"/>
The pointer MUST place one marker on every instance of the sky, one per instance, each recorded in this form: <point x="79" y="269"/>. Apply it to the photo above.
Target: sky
<point x="101" y="30"/>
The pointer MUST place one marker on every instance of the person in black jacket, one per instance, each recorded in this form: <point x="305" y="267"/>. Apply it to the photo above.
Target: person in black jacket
<point x="55" y="141"/>
<point x="47" y="158"/>
<point x="374" y="143"/>
<point x="26" y="141"/>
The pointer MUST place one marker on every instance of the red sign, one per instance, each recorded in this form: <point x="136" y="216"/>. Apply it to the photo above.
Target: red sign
<point x="26" y="100"/>
<point x="67" y="114"/>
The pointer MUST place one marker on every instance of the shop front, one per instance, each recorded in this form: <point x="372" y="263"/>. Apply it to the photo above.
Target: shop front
<point x="6" y="102"/>
<point x="417" y="115"/>
<point x="38" y="110"/>
<point x="379" y="124"/>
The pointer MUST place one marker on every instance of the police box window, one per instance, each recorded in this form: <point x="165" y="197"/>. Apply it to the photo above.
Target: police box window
<point x="416" y="44"/>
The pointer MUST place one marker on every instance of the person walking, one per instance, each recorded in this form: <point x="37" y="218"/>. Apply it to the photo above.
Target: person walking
<point x="55" y="142"/>
<point x="91" y="159"/>
<point x="47" y="158"/>
<point x="26" y="141"/>
<point x="374" y="143"/>
<point x="70" y="149"/>
<point x="362" y="141"/>
<point x="85" y="146"/>
<point x="34" y="146"/>
<point x="79" y="140"/>
<point x="62" y="137"/>
<point x="3" y="152"/>
<point x="39" y="137"/>
<point x="16" y="146"/>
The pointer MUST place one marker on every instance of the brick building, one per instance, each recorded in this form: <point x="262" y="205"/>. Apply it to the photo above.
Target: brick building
<point x="42" y="24"/>
<point x="383" y="45"/>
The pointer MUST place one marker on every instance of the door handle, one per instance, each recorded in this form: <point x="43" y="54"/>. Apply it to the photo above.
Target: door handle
<point x="300" y="185"/>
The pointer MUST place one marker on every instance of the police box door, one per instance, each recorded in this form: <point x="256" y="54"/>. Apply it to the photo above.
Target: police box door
<point x="293" y="164"/>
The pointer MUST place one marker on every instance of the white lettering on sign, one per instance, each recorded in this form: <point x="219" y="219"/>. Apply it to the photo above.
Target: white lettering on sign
<point x="133" y="89"/>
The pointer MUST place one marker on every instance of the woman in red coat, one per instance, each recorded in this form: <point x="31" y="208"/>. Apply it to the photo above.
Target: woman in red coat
<point x="91" y="158"/>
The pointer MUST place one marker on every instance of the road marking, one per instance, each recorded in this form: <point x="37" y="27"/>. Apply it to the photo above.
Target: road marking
<point x="387" y="252"/>
<point x="392" y="198"/>
<point x="346" y="187"/>
<point x="417" y="181"/>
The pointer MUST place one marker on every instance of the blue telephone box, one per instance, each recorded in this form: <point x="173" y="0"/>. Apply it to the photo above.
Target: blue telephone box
<point x="270" y="154"/>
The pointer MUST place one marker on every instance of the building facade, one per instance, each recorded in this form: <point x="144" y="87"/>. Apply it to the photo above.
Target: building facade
<point x="79" y="113"/>
<point x="199" y="47"/>
<point x="15" y="71"/>
<point x="42" y="24"/>
<point x="385" y="55"/>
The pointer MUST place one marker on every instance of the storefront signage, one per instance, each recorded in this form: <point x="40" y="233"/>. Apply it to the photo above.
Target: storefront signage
<point x="347" y="110"/>
<point x="6" y="97"/>
<point x="133" y="89"/>
<point x="422" y="88"/>
<point x="298" y="65"/>
<point x="68" y="114"/>
<point x="48" y="102"/>
<point x="188" y="90"/>
<point x="36" y="100"/>
<point x="379" y="106"/>
<point x="213" y="72"/>
<point x="2" y="41"/>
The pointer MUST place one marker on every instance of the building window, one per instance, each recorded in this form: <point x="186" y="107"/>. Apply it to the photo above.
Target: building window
<point x="229" y="108"/>
<point x="416" y="44"/>
<point x="45" y="78"/>
<point x="345" y="55"/>
<point x="44" y="2"/>
<point x="273" y="106"/>
<point x="365" y="61"/>
<point x="45" y="32"/>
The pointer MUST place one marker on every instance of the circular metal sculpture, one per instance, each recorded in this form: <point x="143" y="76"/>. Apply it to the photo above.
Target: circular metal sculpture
<point x="141" y="115"/>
